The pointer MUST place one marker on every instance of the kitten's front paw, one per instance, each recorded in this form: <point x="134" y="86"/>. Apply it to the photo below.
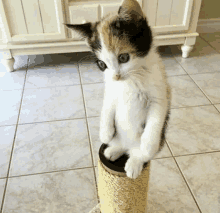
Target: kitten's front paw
<point x="106" y="135"/>
<point x="133" y="167"/>
<point x="112" y="153"/>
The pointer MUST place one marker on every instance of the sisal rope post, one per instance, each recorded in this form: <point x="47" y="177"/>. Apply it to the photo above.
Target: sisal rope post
<point x="117" y="192"/>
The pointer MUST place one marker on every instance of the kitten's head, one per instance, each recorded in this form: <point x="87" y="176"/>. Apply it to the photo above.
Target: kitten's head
<point x="120" y="40"/>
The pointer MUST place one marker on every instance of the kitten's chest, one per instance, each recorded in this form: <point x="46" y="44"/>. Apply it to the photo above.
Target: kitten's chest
<point x="129" y="96"/>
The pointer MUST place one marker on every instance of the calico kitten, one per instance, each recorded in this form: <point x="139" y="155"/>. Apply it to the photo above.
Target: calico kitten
<point x="136" y="99"/>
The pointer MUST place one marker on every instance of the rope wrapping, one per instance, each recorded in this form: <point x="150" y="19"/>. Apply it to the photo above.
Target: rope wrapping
<point x="120" y="194"/>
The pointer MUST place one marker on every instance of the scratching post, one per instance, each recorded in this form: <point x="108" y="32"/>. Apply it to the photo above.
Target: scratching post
<point x="117" y="192"/>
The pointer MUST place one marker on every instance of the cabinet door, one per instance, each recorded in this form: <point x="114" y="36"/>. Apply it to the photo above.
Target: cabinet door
<point x="168" y="15"/>
<point x="83" y="13"/>
<point x="112" y="7"/>
<point x="35" y="20"/>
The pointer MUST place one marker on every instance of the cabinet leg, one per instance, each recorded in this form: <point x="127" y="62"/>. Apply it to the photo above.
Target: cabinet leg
<point x="8" y="60"/>
<point x="186" y="49"/>
<point x="9" y="64"/>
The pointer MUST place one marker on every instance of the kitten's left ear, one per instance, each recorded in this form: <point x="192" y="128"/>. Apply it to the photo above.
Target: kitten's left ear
<point x="84" y="29"/>
<point x="131" y="9"/>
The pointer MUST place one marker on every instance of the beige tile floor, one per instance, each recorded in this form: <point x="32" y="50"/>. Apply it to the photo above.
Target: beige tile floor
<point x="49" y="124"/>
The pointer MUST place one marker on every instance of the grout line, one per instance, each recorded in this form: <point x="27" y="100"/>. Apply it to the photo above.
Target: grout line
<point x="169" y="145"/>
<point x="72" y="119"/>
<point x="50" y="172"/>
<point x="190" y="106"/>
<point x="209" y="44"/>
<point x="187" y="185"/>
<point x="201" y="90"/>
<point x="199" y="153"/>
<point x="216" y="108"/>
<point x="194" y="82"/>
<point x="54" y="87"/>
<point x="89" y="138"/>
<point x="183" y="176"/>
<point x="12" y="149"/>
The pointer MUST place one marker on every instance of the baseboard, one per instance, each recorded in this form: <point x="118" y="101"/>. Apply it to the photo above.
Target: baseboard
<point x="208" y="25"/>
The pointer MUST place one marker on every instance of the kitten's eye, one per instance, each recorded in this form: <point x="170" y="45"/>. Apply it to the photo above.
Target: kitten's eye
<point x="123" y="58"/>
<point x="102" y="66"/>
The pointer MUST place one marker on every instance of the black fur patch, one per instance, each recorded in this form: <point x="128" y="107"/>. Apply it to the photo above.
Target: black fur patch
<point x="94" y="40"/>
<point x="88" y="31"/>
<point x="138" y="33"/>
<point x="119" y="10"/>
<point x="163" y="133"/>
<point x="84" y="29"/>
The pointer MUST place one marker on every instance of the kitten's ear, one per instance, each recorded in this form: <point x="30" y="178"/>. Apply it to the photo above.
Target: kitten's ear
<point x="84" y="29"/>
<point x="130" y="9"/>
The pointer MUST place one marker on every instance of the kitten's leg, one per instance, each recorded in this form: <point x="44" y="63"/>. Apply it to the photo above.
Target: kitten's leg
<point x="150" y="139"/>
<point x="107" y="121"/>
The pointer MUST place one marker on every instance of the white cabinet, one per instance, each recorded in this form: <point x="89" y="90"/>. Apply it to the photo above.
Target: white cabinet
<point x="83" y="13"/>
<point x="36" y="26"/>
<point x="35" y="20"/>
<point x="167" y="16"/>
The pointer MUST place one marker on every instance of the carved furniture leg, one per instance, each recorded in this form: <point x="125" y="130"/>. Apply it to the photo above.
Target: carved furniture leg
<point x="8" y="60"/>
<point x="186" y="50"/>
<point x="188" y="46"/>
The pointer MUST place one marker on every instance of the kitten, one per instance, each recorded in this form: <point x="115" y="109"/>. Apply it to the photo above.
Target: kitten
<point x="136" y="99"/>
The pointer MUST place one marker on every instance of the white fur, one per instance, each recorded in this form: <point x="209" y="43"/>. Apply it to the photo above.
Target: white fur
<point x="130" y="102"/>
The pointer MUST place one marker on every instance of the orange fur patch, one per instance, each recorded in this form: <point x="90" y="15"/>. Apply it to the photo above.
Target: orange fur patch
<point x="115" y="44"/>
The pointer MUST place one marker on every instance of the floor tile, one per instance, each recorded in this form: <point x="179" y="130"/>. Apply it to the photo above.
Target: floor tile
<point x="47" y="104"/>
<point x="213" y="39"/>
<point x="51" y="60"/>
<point x="203" y="176"/>
<point x="204" y="64"/>
<point x="94" y="125"/>
<point x="51" y="146"/>
<point x="7" y="137"/>
<point x="59" y="192"/>
<point x="51" y="76"/>
<point x="193" y="130"/>
<point x="93" y="94"/>
<point x="9" y="107"/>
<point x="202" y="59"/>
<point x="168" y="191"/>
<point x="185" y="92"/>
<point x="89" y="71"/>
<point x="172" y="67"/>
<point x="12" y="80"/>
<point x="210" y="85"/>
<point x="2" y="188"/>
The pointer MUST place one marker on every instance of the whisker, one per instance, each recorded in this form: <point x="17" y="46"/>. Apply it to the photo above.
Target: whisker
<point x="93" y="57"/>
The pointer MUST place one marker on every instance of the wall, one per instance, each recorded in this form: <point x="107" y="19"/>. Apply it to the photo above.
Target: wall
<point x="210" y="9"/>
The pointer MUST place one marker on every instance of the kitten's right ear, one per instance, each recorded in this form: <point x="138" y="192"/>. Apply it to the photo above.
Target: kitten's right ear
<point x="130" y="9"/>
<point x="84" y="29"/>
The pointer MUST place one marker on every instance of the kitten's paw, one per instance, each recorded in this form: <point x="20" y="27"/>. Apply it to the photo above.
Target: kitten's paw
<point x="133" y="167"/>
<point x="106" y="134"/>
<point x="112" y="153"/>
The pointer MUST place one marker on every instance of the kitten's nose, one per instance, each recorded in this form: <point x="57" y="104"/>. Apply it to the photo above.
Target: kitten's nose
<point x="117" y="77"/>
